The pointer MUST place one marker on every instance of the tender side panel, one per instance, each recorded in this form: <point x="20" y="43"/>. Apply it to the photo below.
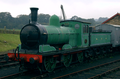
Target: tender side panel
<point x="27" y="56"/>
<point x="100" y="38"/>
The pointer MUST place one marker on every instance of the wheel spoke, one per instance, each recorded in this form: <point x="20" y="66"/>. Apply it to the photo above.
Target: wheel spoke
<point x="80" y="57"/>
<point x="67" y="59"/>
<point x="50" y="63"/>
<point x="91" y="58"/>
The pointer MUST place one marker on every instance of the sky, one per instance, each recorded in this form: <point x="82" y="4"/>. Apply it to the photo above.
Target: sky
<point x="81" y="8"/>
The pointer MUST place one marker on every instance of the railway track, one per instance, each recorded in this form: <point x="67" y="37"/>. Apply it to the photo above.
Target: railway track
<point x="95" y="72"/>
<point x="4" y="63"/>
<point x="2" y="56"/>
<point x="9" y="64"/>
<point x="11" y="76"/>
<point x="115" y="74"/>
<point x="8" y="69"/>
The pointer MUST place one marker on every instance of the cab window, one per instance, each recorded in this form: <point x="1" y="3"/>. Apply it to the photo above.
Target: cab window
<point x="85" y="28"/>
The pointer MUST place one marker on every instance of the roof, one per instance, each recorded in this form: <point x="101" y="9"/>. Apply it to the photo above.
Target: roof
<point x="74" y="21"/>
<point x="111" y="18"/>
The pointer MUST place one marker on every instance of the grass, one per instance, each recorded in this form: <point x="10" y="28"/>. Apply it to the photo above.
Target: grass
<point x="8" y="41"/>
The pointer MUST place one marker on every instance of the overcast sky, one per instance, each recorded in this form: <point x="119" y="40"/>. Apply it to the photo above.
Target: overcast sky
<point x="81" y="8"/>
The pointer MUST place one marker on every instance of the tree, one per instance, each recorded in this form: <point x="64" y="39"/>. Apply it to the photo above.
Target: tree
<point x="5" y="19"/>
<point x="43" y="18"/>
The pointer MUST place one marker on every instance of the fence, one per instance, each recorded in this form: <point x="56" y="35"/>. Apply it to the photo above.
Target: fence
<point x="9" y="31"/>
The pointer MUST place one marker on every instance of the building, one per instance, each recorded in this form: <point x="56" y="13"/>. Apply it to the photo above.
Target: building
<point x="113" y="25"/>
<point x="113" y="20"/>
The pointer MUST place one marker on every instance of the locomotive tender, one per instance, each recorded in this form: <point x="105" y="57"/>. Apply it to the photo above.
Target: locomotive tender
<point x="46" y="47"/>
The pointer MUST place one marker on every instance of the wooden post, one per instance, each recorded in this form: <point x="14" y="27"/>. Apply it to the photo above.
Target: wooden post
<point x="4" y="29"/>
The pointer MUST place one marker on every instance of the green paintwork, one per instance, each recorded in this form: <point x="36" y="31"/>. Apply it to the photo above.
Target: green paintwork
<point x="98" y="38"/>
<point x="54" y="21"/>
<point x="57" y="35"/>
<point x="46" y="48"/>
<point x="70" y="34"/>
<point x="19" y="47"/>
<point x="77" y="37"/>
<point x="85" y="37"/>
<point x="67" y="46"/>
<point x="75" y="33"/>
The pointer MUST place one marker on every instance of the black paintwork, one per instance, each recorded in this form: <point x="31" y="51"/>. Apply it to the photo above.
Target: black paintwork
<point x="33" y="35"/>
<point x="34" y="15"/>
<point x="74" y="21"/>
<point x="89" y="37"/>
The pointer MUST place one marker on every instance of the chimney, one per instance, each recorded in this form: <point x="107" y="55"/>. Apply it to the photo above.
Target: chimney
<point x="34" y="15"/>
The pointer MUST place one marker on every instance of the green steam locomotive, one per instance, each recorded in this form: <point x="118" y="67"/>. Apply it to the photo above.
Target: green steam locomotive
<point x="46" y="47"/>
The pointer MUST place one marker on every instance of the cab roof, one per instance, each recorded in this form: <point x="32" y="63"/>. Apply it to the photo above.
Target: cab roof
<point x="74" y="21"/>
